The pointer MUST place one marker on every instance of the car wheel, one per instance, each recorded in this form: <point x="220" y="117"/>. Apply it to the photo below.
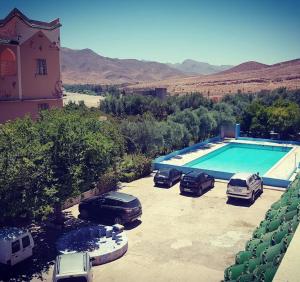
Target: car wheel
<point x="170" y="184"/>
<point x="200" y="191"/>
<point x="252" y="199"/>
<point x="84" y="214"/>
<point x="212" y="184"/>
<point x="118" y="220"/>
<point x="261" y="189"/>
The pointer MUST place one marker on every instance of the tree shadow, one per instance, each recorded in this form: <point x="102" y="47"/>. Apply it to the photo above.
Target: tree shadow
<point x="44" y="251"/>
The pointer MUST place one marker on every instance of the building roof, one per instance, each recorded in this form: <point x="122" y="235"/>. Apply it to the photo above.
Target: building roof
<point x="32" y="23"/>
<point x="11" y="233"/>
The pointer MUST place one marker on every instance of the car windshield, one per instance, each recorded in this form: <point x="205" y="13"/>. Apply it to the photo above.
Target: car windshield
<point x="189" y="178"/>
<point x="238" y="182"/>
<point x="132" y="204"/>
<point x="163" y="173"/>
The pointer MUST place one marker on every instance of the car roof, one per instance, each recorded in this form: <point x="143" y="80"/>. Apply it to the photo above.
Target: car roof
<point x="194" y="173"/>
<point x="242" y="175"/>
<point x="11" y="233"/>
<point x="119" y="196"/>
<point x="71" y="263"/>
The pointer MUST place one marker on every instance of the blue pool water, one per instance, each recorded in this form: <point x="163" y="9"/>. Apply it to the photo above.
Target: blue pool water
<point x="237" y="157"/>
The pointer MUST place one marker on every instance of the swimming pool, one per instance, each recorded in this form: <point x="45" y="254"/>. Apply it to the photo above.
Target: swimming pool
<point x="238" y="157"/>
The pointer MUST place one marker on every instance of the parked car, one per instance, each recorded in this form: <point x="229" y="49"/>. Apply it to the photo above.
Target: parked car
<point x="75" y="267"/>
<point x="196" y="182"/>
<point x="244" y="186"/>
<point x="15" y="245"/>
<point x="116" y="207"/>
<point x="167" y="177"/>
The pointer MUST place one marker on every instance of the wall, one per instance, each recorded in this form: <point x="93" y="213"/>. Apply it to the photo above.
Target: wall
<point x="9" y="84"/>
<point x="39" y="86"/>
<point x="10" y="110"/>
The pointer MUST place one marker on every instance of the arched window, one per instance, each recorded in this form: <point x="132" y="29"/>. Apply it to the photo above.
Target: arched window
<point x="8" y="64"/>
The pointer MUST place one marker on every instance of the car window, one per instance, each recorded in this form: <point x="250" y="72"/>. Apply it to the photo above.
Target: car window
<point x="15" y="246"/>
<point x="25" y="241"/>
<point x="163" y="173"/>
<point x="111" y="202"/>
<point x="132" y="204"/>
<point x="238" y="182"/>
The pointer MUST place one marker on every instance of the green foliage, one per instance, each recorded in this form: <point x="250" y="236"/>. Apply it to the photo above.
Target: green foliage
<point x="134" y="167"/>
<point x="44" y="163"/>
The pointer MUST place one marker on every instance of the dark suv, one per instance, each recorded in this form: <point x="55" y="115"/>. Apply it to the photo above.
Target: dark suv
<point x="114" y="207"/>
<point x="167" y="177"/>
<point x="196" y="182"/>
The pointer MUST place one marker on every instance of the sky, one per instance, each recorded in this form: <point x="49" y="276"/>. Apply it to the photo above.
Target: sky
<point x="213" y="31"/>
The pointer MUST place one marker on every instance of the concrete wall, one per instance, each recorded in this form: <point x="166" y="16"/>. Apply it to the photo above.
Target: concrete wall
<point x="36" y="86"/>
<point x="10" y="110"/>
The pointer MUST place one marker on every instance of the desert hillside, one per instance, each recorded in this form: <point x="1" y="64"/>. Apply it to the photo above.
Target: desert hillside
<point x="194" y="67"/>
<point x="248" y="77"/>
<point x="86" y="66"/>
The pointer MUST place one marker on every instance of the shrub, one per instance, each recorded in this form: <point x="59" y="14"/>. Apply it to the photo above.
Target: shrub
<point x="134" y="167"/>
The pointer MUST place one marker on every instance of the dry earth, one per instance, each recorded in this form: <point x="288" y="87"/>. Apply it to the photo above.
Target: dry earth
<point x="182" y="238"/>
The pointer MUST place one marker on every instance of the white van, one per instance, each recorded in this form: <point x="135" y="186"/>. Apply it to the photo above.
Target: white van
<point x="15" y="245"/>
<point x="244" y="186"/>
<point x="75" y="267"/>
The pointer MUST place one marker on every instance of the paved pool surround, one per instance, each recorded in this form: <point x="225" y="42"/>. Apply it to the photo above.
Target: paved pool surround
<point x="279" y="174"/>
<point x="103" y="243"/>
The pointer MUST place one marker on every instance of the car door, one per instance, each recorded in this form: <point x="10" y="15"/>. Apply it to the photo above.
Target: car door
<point x="16" y="251"/>
<point x="107" y="210"/>
<point x="257" y="182"/>
<point x="205" y="181"/>
<point x="26" y="246"/>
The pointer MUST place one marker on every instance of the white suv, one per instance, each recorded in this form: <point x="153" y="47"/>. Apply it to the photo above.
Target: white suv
<point x="74" y="267"/>
<point x="244" y="186"/>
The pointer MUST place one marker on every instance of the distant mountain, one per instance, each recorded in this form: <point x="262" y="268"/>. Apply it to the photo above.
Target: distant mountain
<point x="195" y="67"/>
<point x="247" y="66"/>
<point x="86" y="66"/>
<point x="248" y="77"/>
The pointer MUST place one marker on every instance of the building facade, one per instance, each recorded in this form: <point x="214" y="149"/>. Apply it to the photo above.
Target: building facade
<point x="30" y="78"/>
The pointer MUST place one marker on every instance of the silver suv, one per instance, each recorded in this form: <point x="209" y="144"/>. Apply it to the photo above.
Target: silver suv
<point x="245" y="186"/>
<point x="74" y="267"/>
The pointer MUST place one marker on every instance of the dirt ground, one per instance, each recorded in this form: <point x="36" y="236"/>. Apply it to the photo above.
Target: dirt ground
<point x="183" y="238"/>
<point x="89" y="100"/>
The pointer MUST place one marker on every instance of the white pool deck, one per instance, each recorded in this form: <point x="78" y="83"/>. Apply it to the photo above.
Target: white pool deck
<point x="283" y="169"/>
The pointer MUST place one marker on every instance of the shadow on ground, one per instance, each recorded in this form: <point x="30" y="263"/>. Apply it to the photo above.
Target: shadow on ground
<point x="44" y="252"/>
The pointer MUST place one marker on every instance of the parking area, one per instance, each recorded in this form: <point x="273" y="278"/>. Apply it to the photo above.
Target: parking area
<point x="183" y="238"/>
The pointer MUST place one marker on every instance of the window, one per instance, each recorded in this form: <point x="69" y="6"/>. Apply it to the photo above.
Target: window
<point x="41" y="67"/>
<point x="15" y="246"/>
<point x="43" y="106"/>
<point x="8" y="65"/>
<point x="25" y="241"/>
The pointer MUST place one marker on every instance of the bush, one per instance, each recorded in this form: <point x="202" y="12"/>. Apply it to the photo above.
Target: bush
<point x="108" y="182"/>
<point x="134" y="167"/>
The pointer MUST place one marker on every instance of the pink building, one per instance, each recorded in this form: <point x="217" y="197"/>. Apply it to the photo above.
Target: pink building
<point x="30" y="77"/>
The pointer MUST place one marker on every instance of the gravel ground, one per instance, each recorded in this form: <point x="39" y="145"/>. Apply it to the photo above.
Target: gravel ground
<point x="183" y="238"/>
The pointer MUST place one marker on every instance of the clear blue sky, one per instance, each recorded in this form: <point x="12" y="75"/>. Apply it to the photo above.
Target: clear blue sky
<point x="214" y="31"/>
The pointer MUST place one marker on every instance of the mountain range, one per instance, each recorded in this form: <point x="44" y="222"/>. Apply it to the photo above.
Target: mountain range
<point x="194" y="67"/>
<point x="86" y="66"/>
